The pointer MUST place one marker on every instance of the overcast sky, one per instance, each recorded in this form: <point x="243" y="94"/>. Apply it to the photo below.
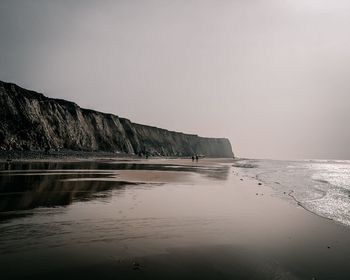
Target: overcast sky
<point x="271" y="75"/>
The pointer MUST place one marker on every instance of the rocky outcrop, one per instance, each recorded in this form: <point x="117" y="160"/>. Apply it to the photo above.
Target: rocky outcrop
<point x="32" y="121"/>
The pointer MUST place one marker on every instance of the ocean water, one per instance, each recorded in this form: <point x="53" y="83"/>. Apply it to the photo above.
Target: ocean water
<point x="319" y="186"/>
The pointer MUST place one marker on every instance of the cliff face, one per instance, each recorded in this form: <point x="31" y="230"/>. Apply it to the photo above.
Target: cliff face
<point x="31" y="121"/>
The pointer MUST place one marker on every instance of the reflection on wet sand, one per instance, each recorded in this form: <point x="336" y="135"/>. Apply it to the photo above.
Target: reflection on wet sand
<point x="25" y="186"/>
<point x="29" y="192"/>
<point x="212" y="170"/>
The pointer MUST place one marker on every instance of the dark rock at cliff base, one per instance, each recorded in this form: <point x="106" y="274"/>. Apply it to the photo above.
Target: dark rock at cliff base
<point x="30" y="121"/>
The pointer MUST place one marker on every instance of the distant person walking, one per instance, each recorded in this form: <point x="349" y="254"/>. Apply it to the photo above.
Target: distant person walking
<point x="197" y="157"/>
<point x="192" y="158"/>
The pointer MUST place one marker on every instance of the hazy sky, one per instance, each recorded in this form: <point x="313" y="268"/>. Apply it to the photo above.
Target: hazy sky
<point x="271" y="75"/>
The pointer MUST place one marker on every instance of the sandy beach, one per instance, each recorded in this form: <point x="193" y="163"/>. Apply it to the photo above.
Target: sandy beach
<point x="159" y="219"/>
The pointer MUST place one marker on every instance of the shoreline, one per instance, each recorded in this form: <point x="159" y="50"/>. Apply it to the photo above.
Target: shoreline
<point x="301" y="188"/>
<point x="68" y="155"/>
<point x="59" y="155"/>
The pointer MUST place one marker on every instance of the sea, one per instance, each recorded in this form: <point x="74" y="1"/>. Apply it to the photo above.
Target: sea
<point x="319" y="186"/>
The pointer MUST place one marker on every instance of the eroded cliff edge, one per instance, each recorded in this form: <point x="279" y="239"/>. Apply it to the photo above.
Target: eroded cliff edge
<point x="31" y="121"/>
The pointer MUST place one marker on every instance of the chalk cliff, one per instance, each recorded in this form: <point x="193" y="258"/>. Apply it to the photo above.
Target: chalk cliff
<point x="31" y="121"/>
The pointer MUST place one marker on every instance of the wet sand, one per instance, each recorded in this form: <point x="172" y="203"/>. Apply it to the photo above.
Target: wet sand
<point x="159" y="219"/>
